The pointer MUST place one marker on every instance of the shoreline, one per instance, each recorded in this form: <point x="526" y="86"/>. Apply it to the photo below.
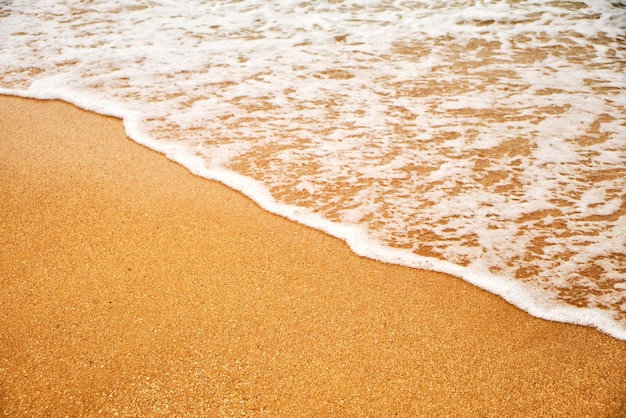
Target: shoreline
<point x="131" y="285"/>
<point x="513" y="292"/>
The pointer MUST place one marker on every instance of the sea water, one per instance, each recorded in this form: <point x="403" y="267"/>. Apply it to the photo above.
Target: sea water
<point x="482" y="138"/>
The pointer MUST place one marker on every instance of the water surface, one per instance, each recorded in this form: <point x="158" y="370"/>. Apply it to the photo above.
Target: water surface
<point x="486" y="139"/>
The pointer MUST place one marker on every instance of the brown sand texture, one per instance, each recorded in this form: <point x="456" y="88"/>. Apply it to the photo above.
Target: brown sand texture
<point x="131" y="287"/>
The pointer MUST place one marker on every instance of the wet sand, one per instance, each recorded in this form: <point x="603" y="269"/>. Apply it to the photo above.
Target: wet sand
<point x="132" y="287"/>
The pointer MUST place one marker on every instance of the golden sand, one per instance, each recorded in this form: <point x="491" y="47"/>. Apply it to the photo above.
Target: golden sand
<point x="131" y="287"/>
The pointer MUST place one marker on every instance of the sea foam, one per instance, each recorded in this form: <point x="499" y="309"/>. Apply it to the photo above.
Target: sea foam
<point x="485" y="139"/>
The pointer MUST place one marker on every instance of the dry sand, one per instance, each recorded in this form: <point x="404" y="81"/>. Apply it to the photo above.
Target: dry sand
<point x="131" y="287"/>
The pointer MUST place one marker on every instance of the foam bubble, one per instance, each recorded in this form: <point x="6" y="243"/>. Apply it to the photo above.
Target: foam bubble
<point x="481" y="139"/>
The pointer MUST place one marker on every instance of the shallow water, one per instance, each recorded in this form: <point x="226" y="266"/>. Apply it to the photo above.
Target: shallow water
<point x="486" y="139"/>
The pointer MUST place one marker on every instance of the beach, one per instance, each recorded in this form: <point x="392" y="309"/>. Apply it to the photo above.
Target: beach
<point x="131" y="287"/>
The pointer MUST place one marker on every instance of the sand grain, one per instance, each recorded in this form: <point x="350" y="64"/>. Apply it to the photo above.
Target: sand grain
<point x="130" y="286"/>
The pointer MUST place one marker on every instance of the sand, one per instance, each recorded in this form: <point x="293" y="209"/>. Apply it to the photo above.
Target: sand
<point x="132" y="287"/>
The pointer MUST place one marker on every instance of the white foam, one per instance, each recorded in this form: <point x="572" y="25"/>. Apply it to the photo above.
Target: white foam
<point x="470" y="132"/>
